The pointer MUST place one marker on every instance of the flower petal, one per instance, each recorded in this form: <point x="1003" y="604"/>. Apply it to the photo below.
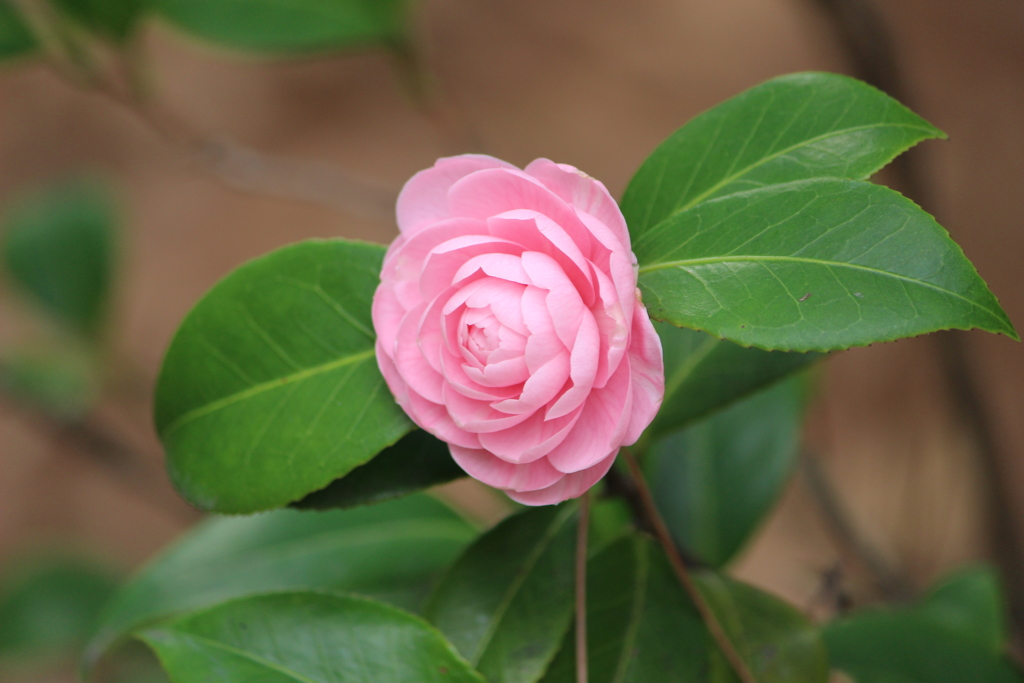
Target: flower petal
<point x="569" y="486"/>
<point x="495" y="472"/>
<point x="424" y="198"/>
<point x="647" y="371"/>
<point x="583" y="192"/>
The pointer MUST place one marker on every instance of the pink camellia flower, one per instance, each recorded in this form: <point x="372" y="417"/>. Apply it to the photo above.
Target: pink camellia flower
<point x="509" y="324"/>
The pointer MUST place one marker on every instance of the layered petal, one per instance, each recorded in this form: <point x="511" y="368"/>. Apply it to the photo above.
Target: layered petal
<point x="509" y="325"/>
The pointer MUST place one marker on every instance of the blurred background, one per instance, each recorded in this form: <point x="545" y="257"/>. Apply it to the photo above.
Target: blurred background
<point x="914" y="450"/>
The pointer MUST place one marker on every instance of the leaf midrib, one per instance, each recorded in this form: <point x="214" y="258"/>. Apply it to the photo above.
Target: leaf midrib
<point x="636" y="611"/>
<point x="697" y="199"/>
<point x="513" y="590"/>
<point x="686" y="263"/>
<point x="215" y="644"/>
<point x="262" y="387"/>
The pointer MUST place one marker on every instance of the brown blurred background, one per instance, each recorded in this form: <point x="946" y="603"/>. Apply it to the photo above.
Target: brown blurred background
<point x="594" y="83"/>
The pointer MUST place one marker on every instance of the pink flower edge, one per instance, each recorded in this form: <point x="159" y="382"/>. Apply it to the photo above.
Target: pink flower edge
<point x="509" y="324"/>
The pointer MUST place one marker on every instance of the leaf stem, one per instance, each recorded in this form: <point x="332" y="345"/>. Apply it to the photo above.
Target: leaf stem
<point x="581" y="589"/>
<point x="665" y="539"/>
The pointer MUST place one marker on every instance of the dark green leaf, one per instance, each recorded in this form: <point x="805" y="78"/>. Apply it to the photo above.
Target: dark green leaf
<point x="49" y="610"/>
<point x="715" y="481"/>
<point x="795" y="127"/>
<point x="704" y="374"/>
<point x="813" y="265"/>
<point x="391" y="551"/>
<point x="309" y="637"/>
<point x="773" y="638"/>
<point x="507" y="602"/>
<point x="59" y="247"/>
<point x="295" y="26"/>
<point x="270" y="389"/>
<point x="956" y="634"/>
<point x="16" y="38"/>
<point x="114" y="19"/>
<point x="416" y="462"/>
<point x="970" y="602"/>
<point x="642" y="627"/>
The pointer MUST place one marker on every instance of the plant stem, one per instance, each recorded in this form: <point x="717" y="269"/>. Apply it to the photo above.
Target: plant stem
<point x="581" y="589"/>
<point x="665" y="539"/>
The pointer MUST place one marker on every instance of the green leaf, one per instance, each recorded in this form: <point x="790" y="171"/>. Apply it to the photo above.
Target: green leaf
<point x="642" y="627"/>
<point x="795" y="127"/>
<point x="114" y="19"/>
<point x="416" y="462"/>
<point x="773" y="638"/>
<point x="956" y="634"/>
<point x="270" y="389"/>
<point x="61" y="384"/>
<point x="704" y="374"/>
<point x="970" y="602"/>
<point x="295" y="26"/>
<point x="59" y="247"/>
<point x="813" y="265"/>
<point x="715" y="481"/>
<point x="49" y="609"/>
<point x="507" y="602"/>
<point x="391" y="551"/>
<point x="16" y="38"/>
<point x="309" y="637"/>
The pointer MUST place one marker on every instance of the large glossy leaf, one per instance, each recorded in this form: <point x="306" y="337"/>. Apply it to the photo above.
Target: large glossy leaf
<point x="295" y="26"/>
<point x="15" y="37"/>
<point x="704" y="374"/>
<point x="416" y="462"/>
<point x="59" y="247"/>
<point x="813" y="265"/>
<point x="114" y="19"/>
<point x="270" y="389"/>
<point x="48" y="609"/>
<point x="714" y="482"/>
<point x="642" y="627"/>
<point x="391" y="551"/>
<point x="956" y="634"/>
<point x="306" y="637"/>
<point x="507" y="602"/>
<point x="795" y="127"/>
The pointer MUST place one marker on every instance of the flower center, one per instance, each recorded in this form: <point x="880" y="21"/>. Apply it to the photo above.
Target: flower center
<point x="485" y="340"/>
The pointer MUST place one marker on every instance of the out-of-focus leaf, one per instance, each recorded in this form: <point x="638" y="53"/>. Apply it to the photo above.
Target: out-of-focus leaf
<point x="295" y="26"/>
<point x="114" y="19"/>
<point x="306" y="636"/>
<point x="507" y="602"/>
<point x="59" y="246"/>
<point x="270" y="389"/>
<point x="814" y="265"/>
<point x="715" y="481"/>
<point x="794" y="127"/>
<point x="416" y="462"/>
<point x="955" y="634"/>
<point x="642" y="627"/>
<point x="704" y="374"/>
<point x="970" y="602"/>
<point x="391" y="551"/>
<point x="61" y="384"/>
<point x="49" y="610"/>
<point x="16" y="38"/>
